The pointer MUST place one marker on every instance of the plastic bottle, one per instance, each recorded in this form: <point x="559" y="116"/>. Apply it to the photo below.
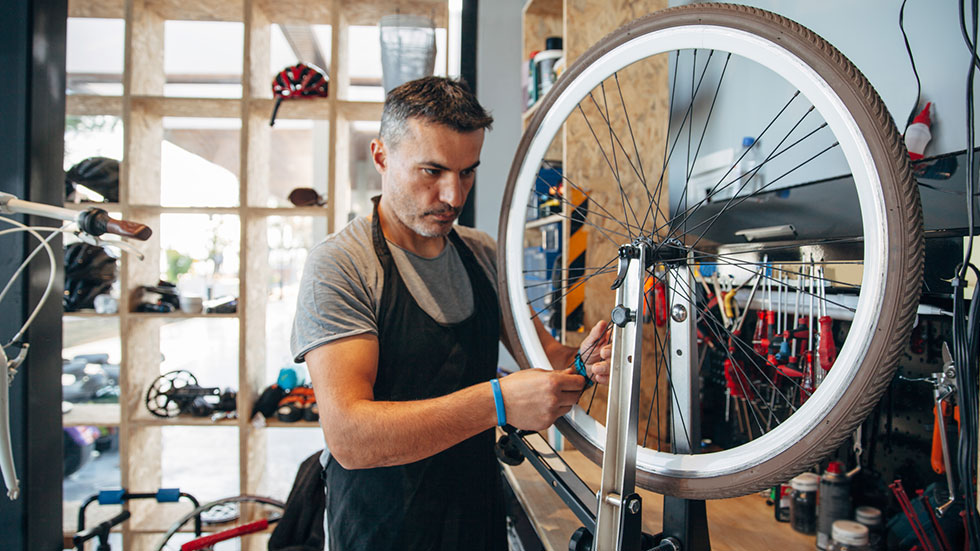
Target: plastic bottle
<point x="781" y="496"/>
<point x="803" y="504"/>
<point x="872" y="518"/>
<point x="544" y="64"/>
<point x="849" y="536"/>
<point x="749" y="179"/>
<point x="834" y="501"/>
<point x="918" y="134"/>
<point x="532" y="81"/>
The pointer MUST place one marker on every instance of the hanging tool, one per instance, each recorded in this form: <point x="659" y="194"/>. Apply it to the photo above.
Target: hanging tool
<point x="944" y="386"/>
<point x="810" y="380"/>
<point x="706" y="271"/>
<point x="720" y="296"/>
<point x="793" y="361"/>
<point x="736" y="330"/>
<point x="828" y="350"/>
<point x="784" y="352"/>
<point x="737" y="387"/>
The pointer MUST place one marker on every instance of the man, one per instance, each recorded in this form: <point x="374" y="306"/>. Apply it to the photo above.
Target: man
<point x="398" y="322"/>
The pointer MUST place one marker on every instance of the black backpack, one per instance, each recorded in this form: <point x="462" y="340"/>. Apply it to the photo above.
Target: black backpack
<point x="89" y="272"/>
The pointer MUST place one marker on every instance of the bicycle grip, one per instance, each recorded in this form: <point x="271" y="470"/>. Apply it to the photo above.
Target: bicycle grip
<point x="211" y="539"/>
<point x="126" y="228"/>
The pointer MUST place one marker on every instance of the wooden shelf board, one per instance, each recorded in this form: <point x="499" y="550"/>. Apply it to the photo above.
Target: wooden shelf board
<point x="100" y="415"/>
<point x="179" y="315"/>
<point x="287" y="211"/>
<point x="544" y="7"/>
<point x="85" y="105"/>
<point x="88" y="314"/>
<point x="252" y="211"/>
<point x="296" y="109"/>
<point x="180" y="421"/>
<point x="537" y="223"/>
<point x="212" y="10"/>
<point x="369" y="13"/>
<point x="156" y="209"/>
<point x="189" y="107"/>
<point x="276" y="424"/>
<point x="360" y="110"/>
<point x="106" y="9"/>
<point x="295" y="13"/>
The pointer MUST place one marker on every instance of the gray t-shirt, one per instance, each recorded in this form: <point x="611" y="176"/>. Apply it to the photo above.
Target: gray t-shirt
<point x="340" y="291"/>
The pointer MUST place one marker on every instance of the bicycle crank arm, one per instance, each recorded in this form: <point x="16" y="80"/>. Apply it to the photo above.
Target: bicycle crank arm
<point x="6" y="448"/>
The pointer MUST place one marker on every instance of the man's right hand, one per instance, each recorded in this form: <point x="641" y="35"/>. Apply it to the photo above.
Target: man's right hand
<point x="535" y="398"/>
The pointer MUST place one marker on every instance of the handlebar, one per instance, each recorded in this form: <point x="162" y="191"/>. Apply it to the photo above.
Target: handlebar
<point x="93" y="220"/>
<point x="100" y="530"/>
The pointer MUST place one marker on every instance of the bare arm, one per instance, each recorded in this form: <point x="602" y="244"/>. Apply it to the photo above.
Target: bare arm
<point x="364" y="433"/>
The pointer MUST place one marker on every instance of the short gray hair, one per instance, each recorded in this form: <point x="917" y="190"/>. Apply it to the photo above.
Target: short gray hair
<point x="440" y="100"/>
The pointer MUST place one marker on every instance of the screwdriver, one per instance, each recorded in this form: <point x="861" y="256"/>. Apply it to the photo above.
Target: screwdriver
<point x="759" y="341"/>
<point x="827" y="350"/>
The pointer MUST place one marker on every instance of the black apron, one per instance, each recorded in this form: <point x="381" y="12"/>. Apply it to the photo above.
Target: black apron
<point x="452" y="500"/>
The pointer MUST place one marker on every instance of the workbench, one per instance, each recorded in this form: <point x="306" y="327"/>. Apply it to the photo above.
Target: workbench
<point x="737" y="524"/>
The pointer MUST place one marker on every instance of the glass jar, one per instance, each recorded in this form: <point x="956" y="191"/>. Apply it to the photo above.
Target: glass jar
<point x="872" y="518"/>
<point x="803" y="503"/>
<point x="847" y="535"/>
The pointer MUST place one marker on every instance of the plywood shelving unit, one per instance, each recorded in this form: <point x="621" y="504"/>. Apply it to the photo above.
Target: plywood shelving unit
<point x="142" y="108"/>
<point x="582" y="24"/>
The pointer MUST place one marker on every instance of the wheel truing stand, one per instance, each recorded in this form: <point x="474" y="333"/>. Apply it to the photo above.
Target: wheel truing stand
<point x="614" y="515"/>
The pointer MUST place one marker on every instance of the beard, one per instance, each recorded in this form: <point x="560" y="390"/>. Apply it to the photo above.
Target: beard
<point x="426" y="226"/>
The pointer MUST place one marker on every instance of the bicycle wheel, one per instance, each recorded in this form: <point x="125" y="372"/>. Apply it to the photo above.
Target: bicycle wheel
<point x="635" y="117"/>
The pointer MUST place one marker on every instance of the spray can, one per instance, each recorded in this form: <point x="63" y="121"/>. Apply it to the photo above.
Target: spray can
<point x="834" y="501"/>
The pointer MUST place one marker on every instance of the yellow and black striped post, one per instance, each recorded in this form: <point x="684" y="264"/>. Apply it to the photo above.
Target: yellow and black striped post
<point x="578" y="237"/>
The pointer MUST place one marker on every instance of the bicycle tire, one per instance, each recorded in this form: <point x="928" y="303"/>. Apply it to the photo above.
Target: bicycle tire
<point x="895" y="204"/>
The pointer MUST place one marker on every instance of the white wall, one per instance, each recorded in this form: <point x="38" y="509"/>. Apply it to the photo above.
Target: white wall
<point x="498" y="86"/>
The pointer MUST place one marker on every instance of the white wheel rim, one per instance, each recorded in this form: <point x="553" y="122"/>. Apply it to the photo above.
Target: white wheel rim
<point x="870" y="198"/>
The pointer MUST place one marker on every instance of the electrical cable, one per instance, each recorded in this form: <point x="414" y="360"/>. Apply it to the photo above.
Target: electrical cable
<point x="966" y="325"/>
<point x="966" y="35"/>
<point x="970" y="137"/>
<point x="918" y="83"/>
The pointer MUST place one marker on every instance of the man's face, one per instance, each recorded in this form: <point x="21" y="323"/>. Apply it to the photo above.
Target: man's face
<point x="427" y="175"/>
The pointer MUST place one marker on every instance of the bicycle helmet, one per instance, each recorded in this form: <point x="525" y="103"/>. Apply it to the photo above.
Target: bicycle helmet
<point x="100" y="174"/>
<point x="89" y="272"/>
<point x="298" y="81"/>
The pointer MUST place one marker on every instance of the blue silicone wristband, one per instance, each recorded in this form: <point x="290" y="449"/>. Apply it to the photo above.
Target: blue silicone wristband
<point x="498" y="402"/>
